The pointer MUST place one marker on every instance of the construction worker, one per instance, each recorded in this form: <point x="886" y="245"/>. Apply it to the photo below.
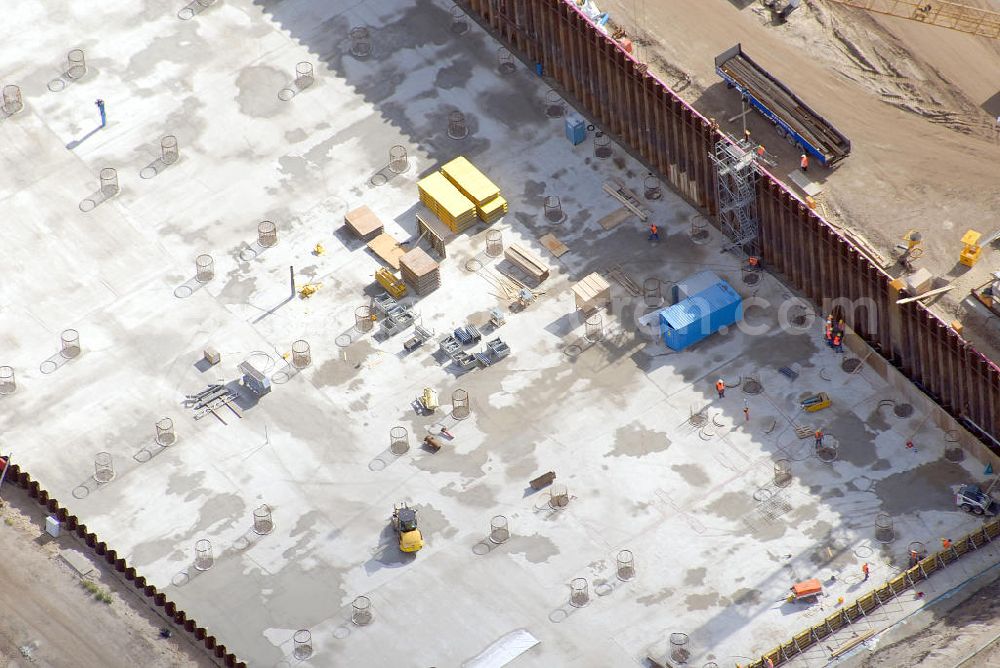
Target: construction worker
<point x="819" y="439"/>
<point x="654" y="233"/>
<point x="828" y="334"/>
<point x="754" y="263"/>
<point x="770" y="664"/>
<point x="761" y="151"/>
<point x="914" y="558"/>
<point x="838" y="343"/>
<point x="103" y="112"/>
<point x="746" y="413"/>
<point x="746" y="135"/>
<point x="946" y="543"/>
<point x="804" y="162"/>
<point x="864" y="569"/>
<point x="720" y="387"/>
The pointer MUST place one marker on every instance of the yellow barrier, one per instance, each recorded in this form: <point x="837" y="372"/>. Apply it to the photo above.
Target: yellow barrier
<point x="864" y="604"/>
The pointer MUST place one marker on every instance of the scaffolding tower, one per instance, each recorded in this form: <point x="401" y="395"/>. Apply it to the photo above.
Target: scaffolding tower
<point x="736" y="192"/>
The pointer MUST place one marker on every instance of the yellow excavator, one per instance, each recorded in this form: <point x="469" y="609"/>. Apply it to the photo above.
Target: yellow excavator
<point x="404" y="521"/>
<point x="953" y="15"/>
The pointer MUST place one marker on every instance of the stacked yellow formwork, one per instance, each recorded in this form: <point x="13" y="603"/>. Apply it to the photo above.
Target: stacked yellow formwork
<point x="472" y="183"/>
<point x="447" y="202"/>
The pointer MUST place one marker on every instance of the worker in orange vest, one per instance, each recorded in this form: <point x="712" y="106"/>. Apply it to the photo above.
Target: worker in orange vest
<point x="654" y="233"/>
<point x="720" y="387"/>
<point x="804" y="162"/>
<point x="761" y="151"/>
<point x="864" y="569"/>
<point x="838" y="343"/>
<point x="946" y="543"/>
<point x="819" y="438"/>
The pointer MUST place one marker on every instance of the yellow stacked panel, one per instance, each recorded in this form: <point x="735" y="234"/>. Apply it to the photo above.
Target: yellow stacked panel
<point x="447" y="202"/>
<point x="490" y="206"/>
<point x="493" y="210"/>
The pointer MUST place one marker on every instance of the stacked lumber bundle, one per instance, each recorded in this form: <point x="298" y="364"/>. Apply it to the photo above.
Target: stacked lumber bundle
<point x="529" y="262"/>
<point x="472" y="183"/>
<point x="420" y="271"/>
<point x="447" y="202"/>
<point x="363" y="223"/>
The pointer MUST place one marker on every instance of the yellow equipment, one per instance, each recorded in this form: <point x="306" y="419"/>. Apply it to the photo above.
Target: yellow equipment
<point x="394" y="286"/>
<point x="404" y="521"/>
<point x="319" y="249"/>
<point x="972" y="250"/>
<point x="971" y="20"/>
<point x="429" y="400"/>
<point x="309" y="289"/>
<point x="816" y="402"/>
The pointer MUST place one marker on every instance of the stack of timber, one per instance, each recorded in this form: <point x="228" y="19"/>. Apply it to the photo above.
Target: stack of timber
<point x="420" y="271"/>
<point x="529" y="262"/>
<point x="363" y="223"/>
<point x="447" y="202"/>
<point x="490" y="206"/>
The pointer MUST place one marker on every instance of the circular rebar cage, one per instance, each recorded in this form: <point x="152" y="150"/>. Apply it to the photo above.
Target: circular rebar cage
<point x="553" y="208"/>
<point x="579" y="592"/>
<point x="884" y="532"/>
<point x="457" y="128"/>
<point x="459" y="24"/>
<point x="499" y="529"/>
<point x="267" y="233"/>
<point x="494" y="243"/>
<point x="652" y="188"/>
<point x="76" y="64"/>
<point x="302" y="644"/>
<point x="304" y="76"/>
<point x="829" y="450"/>
<point x="399" y="440"/>
<point x="7" y="382"/>
<point x="165" y="434"/>
<point x="626" y="565"/>
<point x="70" y="343"/>
<point x="699" y="229"/>
<point x="262" y="522"/>
<point x="505" y="61"/>
<point x="203" y="557"/>
<point x="361" y="42"/>
<point x="301" y="355"/>
<point x="362" y="613"/>
<point x="558" y="496"/>
<point x="954" y="454"/>
<point x="104" y="467"/>
<point x="168" y="149"/>
<point x="204" y="267"/>
<point x="782" y="473"/>
<point x="363" y="319"/>
<point x="460" y="404"/>
<point x="398" y="161"/>
<point x="109" y="181"/>
<point x="594" y="327"/>
<point x="12" y="101"/>
<point x="652" y="292"/>
<point x="554" y="105"/>
<point x="602" y="145"/>
<point x="678" y="647"/>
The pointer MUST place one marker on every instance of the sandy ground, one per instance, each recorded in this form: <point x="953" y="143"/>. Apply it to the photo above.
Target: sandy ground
<point x="918" y="102"/>
<point x="49" y="619"/>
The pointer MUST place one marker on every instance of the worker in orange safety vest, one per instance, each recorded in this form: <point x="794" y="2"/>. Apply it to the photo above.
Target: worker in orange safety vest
<point x="720" y="387"/>
<point x="804" y="162"/>
<point x="654" y="233"/>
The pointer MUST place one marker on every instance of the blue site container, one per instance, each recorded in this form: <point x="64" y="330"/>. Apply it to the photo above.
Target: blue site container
<point x="700" y="316"/>
<point x="576" y="129"/>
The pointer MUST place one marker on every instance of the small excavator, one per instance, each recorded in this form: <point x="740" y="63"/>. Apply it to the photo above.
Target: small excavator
<point x="404" y="521"/>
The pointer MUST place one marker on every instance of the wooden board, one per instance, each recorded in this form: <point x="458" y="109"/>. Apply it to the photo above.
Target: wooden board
<point x="418" y="262"/>
<point x="363" y="222"/>
<point x="556" y="247"/>
<point x="614" y="219"/>
<point x="387" y="248"/>
<point x="529" y="262"/>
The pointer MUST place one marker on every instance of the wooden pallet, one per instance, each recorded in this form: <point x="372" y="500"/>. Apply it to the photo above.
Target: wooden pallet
<point x="527" y="261"/>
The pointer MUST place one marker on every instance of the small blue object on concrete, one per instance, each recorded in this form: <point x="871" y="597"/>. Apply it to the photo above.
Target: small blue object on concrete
<point x="697" y="317"/>
<point x="576" y="129"/>
<point x="538" y="69"/>
<point x="988" y="470"/>
<point x="104" y="116"/>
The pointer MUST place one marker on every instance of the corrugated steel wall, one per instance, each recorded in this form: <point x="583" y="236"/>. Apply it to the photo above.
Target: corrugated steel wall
<point x="676" y="140"/>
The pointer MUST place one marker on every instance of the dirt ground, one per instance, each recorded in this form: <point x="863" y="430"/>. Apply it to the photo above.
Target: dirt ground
<point x="49" y="618"/>
<point x="919" y="104"/>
